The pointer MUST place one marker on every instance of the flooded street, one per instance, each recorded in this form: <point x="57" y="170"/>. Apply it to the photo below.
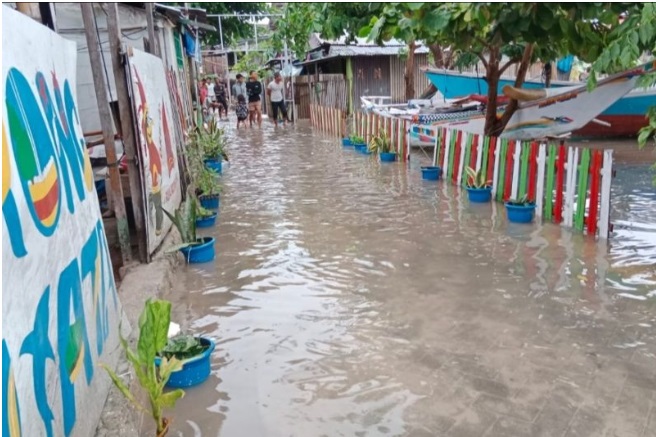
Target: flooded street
<point x="352" y="298"/>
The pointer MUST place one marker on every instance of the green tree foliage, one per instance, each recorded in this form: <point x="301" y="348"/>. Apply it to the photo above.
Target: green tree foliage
<point x="330" y="20"/>
<point x="523" y="32"/>
<point x="626" y="43"/>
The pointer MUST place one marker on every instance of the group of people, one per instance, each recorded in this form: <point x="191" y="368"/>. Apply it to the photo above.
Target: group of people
<point x="247" y="97"/>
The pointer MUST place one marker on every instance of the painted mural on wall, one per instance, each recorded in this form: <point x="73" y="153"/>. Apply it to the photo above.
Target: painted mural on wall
<point x="59" y="302"/>
<point x="152" y="105"/>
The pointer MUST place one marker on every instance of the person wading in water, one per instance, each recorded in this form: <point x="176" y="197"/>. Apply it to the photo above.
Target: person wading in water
<point x="254" y="90"/>
<point x="276" y="91"/>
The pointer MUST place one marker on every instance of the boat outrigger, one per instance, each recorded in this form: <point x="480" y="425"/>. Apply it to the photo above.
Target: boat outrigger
<point x="542" y="113"/>
<point x="624" y="117"/>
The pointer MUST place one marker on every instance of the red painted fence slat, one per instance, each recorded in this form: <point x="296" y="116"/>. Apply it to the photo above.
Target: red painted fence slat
<point x="510" y="167"/>
<point x="533" y="171"/>
<point x="595" y="183"/>
<point x="560" y="184"/>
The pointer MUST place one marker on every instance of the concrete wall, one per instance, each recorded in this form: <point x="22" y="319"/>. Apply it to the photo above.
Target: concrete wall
<point x="59" y="304"/>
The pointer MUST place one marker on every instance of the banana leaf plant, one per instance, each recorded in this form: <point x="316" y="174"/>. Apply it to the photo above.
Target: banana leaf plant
<point x="380" y="143"/>
<point x="153" y="337"/>
<point x="476" y="179"/>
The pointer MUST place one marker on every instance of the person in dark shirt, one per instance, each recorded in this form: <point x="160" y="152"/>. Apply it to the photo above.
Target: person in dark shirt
<point x="254" y="90"/>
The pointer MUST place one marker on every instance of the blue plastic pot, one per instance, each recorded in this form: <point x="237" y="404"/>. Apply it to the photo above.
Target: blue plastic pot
<point x="387" y="157"/>
<point x="213" y="164"/>
<point x="520" y="213"/>
<point x="200" y="253"/>
<point x="194" y="370"/>
<point x="431" y="173"/>
<point x="206" y="222"/>
<point x="346" y="142"/>
<point x="360" y="148"/>
<point x="479" y="195"/>
<point x="209" y="202"/>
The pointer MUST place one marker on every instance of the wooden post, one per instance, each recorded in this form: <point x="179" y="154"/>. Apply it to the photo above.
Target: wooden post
<point x="150" y="23"/>
<point x="116" y="191"/>
<point x="127" y="126"/>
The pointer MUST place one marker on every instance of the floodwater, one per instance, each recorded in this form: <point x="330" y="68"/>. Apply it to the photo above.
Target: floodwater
<point x="352" y="298"/>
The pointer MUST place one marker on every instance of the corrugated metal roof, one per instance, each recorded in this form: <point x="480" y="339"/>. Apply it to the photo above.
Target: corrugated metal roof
<point x="357" y="50"/>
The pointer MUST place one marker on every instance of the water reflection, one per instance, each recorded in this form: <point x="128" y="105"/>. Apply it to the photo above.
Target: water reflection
<point x="351" y="297"/>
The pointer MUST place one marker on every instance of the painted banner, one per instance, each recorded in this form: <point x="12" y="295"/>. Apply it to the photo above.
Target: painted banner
<point x="157" y="151"/>
<point x="59" y="303"/>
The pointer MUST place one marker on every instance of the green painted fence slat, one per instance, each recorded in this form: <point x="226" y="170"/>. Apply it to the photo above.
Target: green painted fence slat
<point x="468" y="147"/>
<point x="584" y="171"/>
<point x="523" y="175"/>
<point x="485" y="150"/>
<point x="452" y="152"/>
<point x="551" y="174"/>
<point x="503" y="149"/>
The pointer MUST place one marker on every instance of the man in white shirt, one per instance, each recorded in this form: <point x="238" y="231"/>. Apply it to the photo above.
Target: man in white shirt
<point x="276" y="91"/>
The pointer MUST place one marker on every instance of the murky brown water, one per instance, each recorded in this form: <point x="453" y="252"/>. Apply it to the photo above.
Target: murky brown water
<point x="350" y="298"/>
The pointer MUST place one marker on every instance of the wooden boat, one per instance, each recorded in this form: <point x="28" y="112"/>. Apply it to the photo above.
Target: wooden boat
<point x="545" y="113"/>
<point x="625" y="117"/>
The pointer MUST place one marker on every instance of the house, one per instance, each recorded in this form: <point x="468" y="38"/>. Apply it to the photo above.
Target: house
<point x="377" y="70"/>
<point x="171" y="26"/>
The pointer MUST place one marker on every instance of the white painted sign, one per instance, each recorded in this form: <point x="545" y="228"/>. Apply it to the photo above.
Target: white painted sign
<point x="59" y="302"/>
<point x="157" y="148"/>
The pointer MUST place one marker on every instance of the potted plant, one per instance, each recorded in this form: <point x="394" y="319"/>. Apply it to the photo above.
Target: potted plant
<point x="208" y="189"/>
<point x="358" y="142"/>
<point x="204" y="217"/>
<point x="478" y="189"/>
<point x="153" y="328"/>
<point x="346" y="141"/>
<point x="194" y="353"/>
<point x="431" y="173"/>
<point x="382" y="145"/>
<point x="195" y="250"/>
<point x="202" y="179"/>
<point x="520" y="211"/>
<point x="212" y="142"/>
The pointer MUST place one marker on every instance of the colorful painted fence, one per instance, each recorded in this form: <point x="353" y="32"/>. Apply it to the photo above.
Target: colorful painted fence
<point x="157" y="139"/>
<point x="368" y="124"/>
<point x="60" y="309"/>
<point x="333" y="122"/>
<point x="570" y="185"/>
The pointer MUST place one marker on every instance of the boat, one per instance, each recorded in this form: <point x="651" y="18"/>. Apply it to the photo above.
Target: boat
<point x="623" y="118"/>
<point x="542" y="113"/>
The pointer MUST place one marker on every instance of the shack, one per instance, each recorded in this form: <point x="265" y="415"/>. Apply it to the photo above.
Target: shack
<point x="377" y="70"/>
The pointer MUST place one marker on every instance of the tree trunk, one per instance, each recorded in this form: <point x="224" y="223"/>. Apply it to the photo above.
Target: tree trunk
<point x="441" y="60"/>
<point x="492" y="75"/>
<point x="410" y="72"/>
<point x="519" y="81"/>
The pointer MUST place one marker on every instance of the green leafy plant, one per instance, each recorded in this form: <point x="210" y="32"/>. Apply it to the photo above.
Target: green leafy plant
<point x="522" y="201"/>
<point x="184" y="221"/>
<point x="476" y="179"/>
<point x="356" y="139"/>
<point x="380" y="143"/>
<point x="212" y="141"/>
<point x="153" y="330"/>
<point x="183" y="347"/>
<point x="200" y="211"/>
<point x="202" y="180"/>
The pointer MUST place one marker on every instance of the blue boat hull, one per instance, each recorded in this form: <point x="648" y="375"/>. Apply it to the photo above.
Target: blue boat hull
<point x="627" y="115"/>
